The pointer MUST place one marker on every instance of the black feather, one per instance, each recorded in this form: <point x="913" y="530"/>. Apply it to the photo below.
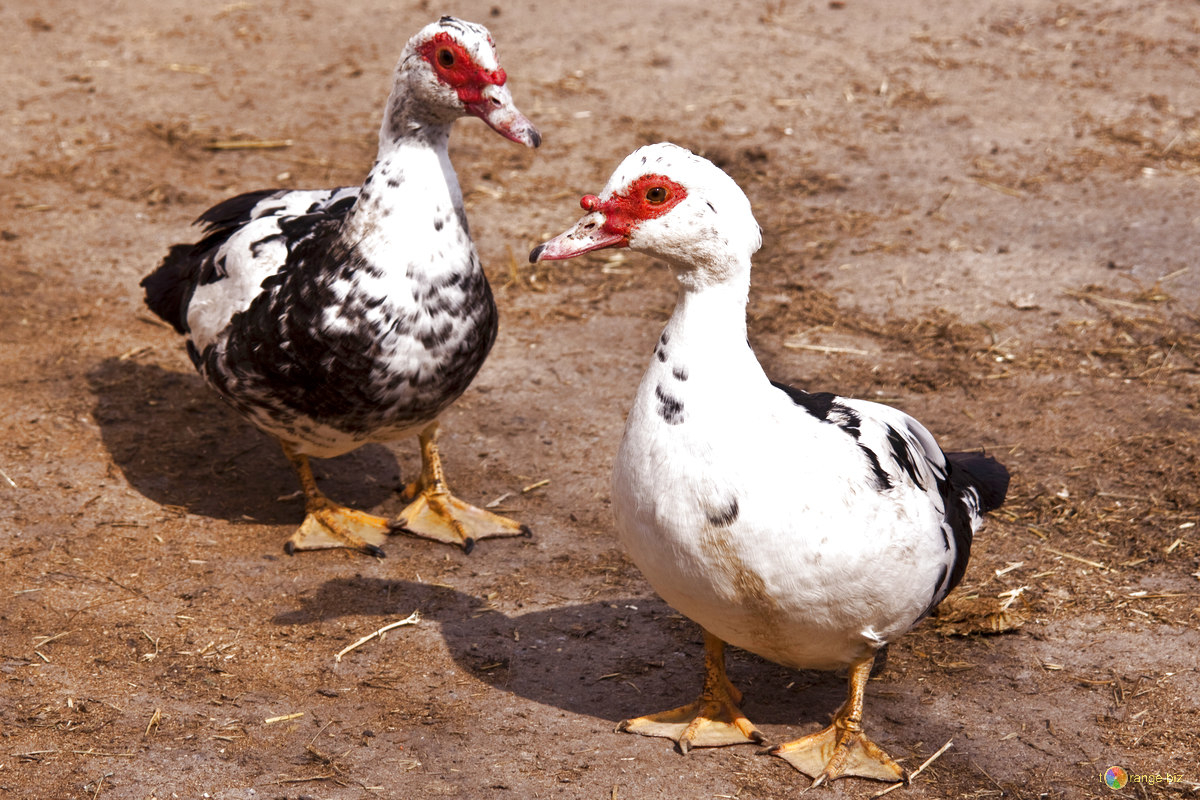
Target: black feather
<point x="904" y="456"/>
<point x="818" y="404"/>
<point x="988" y="478"/>
<point x="234" y="212"/>
<point x="169" y="288"/>
<point x="982" y="472"/>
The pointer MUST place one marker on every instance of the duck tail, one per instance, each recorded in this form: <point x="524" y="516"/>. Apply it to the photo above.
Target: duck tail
<point x="987" y="476"/>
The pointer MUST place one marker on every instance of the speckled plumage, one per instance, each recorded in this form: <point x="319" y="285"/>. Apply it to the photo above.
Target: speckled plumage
<point x="337" y="317"/>
<point x="335" y="349"/>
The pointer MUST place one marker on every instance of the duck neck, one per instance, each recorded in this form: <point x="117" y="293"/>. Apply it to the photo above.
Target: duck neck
<point x="412" y="180"/>
<point x="408" y="119"/>
<point x="710" y="316"/>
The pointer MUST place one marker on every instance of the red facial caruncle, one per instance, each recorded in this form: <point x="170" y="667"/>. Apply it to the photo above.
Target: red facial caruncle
<point x="611" y="222"/>
<point x="648" y="197"/>
<point x="457" y="69"/>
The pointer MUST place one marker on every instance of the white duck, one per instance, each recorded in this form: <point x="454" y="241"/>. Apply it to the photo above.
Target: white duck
<point x="810" y="529"/>
<point x="338" y="317"/>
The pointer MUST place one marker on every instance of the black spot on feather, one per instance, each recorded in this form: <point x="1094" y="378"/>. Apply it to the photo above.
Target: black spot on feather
<point x="170" y="287"/>
<point x="669" y="408"/>
<point x="727" y="516"/>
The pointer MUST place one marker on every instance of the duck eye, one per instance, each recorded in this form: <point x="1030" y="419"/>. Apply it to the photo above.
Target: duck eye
<point x="656" y="195"/>
<point x="445" y="57"/>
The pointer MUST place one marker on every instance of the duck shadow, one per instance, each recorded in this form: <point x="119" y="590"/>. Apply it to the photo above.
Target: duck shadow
<point x="612" y="660"/>
<point x="177" y="444"/>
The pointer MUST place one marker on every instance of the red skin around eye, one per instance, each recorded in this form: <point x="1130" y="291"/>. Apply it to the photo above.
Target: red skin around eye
<point x="465" y="76"/>
<point x="623" y="211"/>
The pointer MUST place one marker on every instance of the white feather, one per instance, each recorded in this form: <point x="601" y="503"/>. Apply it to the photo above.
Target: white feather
<point x="820" y="565"/>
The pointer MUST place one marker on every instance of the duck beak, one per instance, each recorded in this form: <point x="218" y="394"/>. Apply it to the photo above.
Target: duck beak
<point x="589" y="234"/>
<point x="497" y="109"/>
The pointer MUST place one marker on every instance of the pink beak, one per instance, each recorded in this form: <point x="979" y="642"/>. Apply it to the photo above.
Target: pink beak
<point x="588" y="234"/>
<point x="497" y="109"/>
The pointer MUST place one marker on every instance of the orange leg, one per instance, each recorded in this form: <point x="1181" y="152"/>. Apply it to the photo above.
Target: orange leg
<point x="436" y="514"/>
<point x="713" y="720"/>
<point x="328" y="524"/>
<point x="843" y="749"/>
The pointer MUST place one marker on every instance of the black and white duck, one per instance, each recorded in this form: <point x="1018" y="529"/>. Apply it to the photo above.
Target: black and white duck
<point x="333" y="318"/>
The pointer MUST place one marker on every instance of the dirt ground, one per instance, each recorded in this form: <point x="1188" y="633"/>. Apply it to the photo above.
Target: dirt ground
<point x="985" y="214"/>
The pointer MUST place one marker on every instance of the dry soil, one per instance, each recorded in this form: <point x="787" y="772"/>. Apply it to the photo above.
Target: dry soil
<point x="985" y="214"/>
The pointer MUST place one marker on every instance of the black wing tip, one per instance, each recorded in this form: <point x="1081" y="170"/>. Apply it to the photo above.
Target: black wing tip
<point x="234" y="210"/>
<point x="169" y="287"/>
<point x="988" y="476"/>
